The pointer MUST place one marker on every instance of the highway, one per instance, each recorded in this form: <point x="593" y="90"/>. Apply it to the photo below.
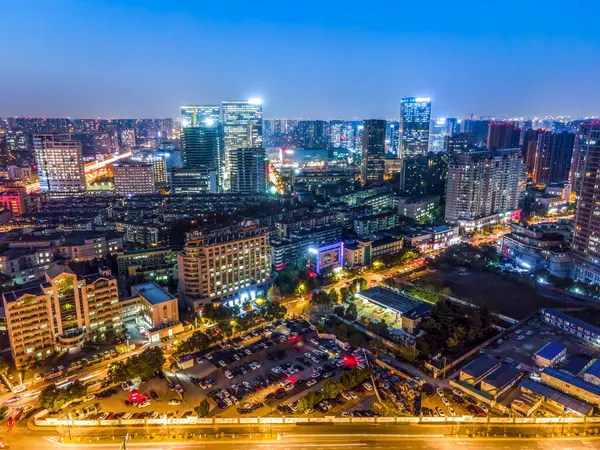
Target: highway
<point x="316" y="441"/>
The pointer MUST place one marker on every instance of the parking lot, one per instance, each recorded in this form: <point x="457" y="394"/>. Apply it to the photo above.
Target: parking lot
<point x="263" y="373"/>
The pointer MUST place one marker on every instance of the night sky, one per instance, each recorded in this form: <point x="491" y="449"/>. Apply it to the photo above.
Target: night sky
<point x="306" y="58"/>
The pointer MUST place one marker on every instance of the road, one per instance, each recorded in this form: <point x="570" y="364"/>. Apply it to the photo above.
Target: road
<point x="321" y="441"/>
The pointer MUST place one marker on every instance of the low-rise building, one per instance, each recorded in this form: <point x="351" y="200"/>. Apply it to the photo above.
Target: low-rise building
<point x="570" y="324"/>
<point x="500" y="380"/>
<point x="592" y="373"/>
<point x="478" y="369"/>
<point x="554" y="399"/>
<point x="152" y="264"/>
<point x="425" y="238"/>
<point x="421" y="209"/>
<point x="571" y="385"/>
<point x="361" y="253"/>
<point x="25" y="265"/>
<point x="550" y="355"/>
<point x="372" y="223"/>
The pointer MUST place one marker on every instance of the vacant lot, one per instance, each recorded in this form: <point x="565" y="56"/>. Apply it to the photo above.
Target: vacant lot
<point x="511" y="297"/>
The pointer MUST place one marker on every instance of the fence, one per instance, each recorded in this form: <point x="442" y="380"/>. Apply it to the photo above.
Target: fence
<point x="257" y="421"/>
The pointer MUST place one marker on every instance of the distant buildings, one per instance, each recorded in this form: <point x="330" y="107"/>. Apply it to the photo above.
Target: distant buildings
<point x="194" y="180"/>
<point x="421" y="209"/>
<point x="415" y="114"/>
<point x="503" y="135"/>
<point x="373" y="151"/>
<point x="425" y="175"/>
<point x="483" y="187"/>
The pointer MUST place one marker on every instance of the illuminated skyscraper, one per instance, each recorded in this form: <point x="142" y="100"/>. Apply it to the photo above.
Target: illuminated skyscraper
<point x="415" y="114"/>
<point x="503" y="135"/>
<point x="586" y="232"/>
<point x="248" y="171"/>
<point x="553" y="157"/>
<point x="237" y="132"/>
<point x="192" y="115"/>
<point x="373" y="151"/>
<point x="60" y="165"/>
<point x="201" y="147"/>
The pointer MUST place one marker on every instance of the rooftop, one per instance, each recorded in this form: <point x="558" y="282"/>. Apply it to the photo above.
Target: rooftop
<point x="550" y="351"/>
<point x="502" y="376"/>
<point x="13" y="296"/>
<point x="568" y="378"/>
<point x="594" y="369"/>
<point x="480" y="366"/>
<point x="556" y="396"/>
<point x="389" y="299"/>
<point x="152" y="292"/>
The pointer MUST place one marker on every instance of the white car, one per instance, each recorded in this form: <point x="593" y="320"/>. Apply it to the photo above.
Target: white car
<point x="323" y="349"/>
<point x="518" y="331"/>
<point x="451" y="410"/>
<point x="236" y="357"/>
<point x="457" y="392"/>
<point x="353" y="395"/>
<point x="346" y="395"/>
<point x="520" y="338"/>
<point x="228" y="375"/>
<point x="276" y="369"/>
<point x="368" y="386"/>
<point x="483" y="408"/>
<point x="316" y="374"/>
<point x="144" y="404"/>
<point x="174" y="401"/>
<point x="439" y="391"/>
<point x="154" y="415"/>
<point x="222" y="363"/>
<point x="315" y="359"/>
<point x="314" y="341"/>
<point x="308" y="355"/>
<point x="311" y="382"/>
<point x="529" y="332"/>
<point x="445" y="401"/>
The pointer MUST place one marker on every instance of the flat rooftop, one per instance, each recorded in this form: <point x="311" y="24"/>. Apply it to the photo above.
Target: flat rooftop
<point x="550" y="351"/>
<point x="575" y="381"/>
<point x="152" y="292"/>
<point x="480" y="366"/>
<point x="556" y="396"/>
<point x="502" y="376"/>
<point x="594" y="369"/>
<point x="389" y="299"/>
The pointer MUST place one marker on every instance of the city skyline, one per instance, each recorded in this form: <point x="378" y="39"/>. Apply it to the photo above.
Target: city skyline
<point x="126" y="69"/>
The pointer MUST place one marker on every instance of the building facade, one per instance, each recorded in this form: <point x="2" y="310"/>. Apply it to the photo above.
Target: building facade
<point x="415" y="115"/>
<point x="134" y="178"/>
<point x="60" y="165"/>
<point x="248" y="170"/>
<point x="553" y="155"/>
<point x="373" y="151"/>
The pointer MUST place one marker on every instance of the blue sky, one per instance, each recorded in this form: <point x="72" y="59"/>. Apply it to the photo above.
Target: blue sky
<point x="318" y="59"/>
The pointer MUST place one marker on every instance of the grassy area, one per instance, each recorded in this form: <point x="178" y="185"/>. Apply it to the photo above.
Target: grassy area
<point x="515" y="298"/>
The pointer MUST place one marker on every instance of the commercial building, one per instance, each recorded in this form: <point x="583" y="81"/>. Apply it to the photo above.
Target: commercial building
<point x="408" y="312"/>
<point x="570" y="324"/>
<point x="483" y="186"/>
<point x="60" y="165"/>
<point x="193" y="181"/>
<point x="424" y="175"/>
<point x="237" y="132"/>
<point x="542" y="246"/>
<point x="361" y="253"/>
<point x="159" y="165"/>
<point x="422" y="209"/>
<point x="326" y="257"/>
<point x="415" y="114"/>
<point x="193" y="115"/>
<point x="133" y="178"/>
<point x="592" y="373"/>
<point x="201" y="145"/>
<point x="459" y="142"/>
<point x="553" y="155"/>
<point x="427" y="238"/>
<point x="373" y="151"/>
<point x="225" y="264"/>
<point x="157" y="304"/>
<point x="19" y="203"/>
<point x="586" y="236"/>
<point x="550" y="355"/>
<point x="571" y="385"/>
<point x="248" y="170"/>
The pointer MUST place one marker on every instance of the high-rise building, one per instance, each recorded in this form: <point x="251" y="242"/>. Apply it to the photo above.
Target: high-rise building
<point x="225" y="265"/>
<point x="482" y="185"/>
<point x="424" y="175"/>
<point x="586" y="234"/>
<point x="479" y="129"/>
<point x="503" y="135"/>
<point x="60" y="165"/>
<point x="201" y="145"/>
<point x="159" y="165"/>
<point x="237" y="132"/>
<point x="193" y="115"/>
<point x="193" y="180"/>
<point x="248" y="171"/>
<point x="459" y="142"/>
<point x="392" y="137"/>
<point x="313" y="134"/>
<point x="528" y="147"/>
<point x="335" y="133"/>
<point x="438" y="131"/>
<point x="415" y="114"/>
<point x="553" y="157"/>
<point x="579" y="156"/>
<point x="133" y="178"/>
<point x="373" y="151"/>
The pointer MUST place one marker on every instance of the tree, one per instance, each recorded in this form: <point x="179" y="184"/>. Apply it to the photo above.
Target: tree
<point x="341" y="331"/>
<point x="274" y="294"/>
<point x="377" y="347"/>
<point x="309" y="401"/>
<point x="53" y="398"/>
<point x="203" y="408"/>
<point x="356" y="340"/>
<point x="360" y="284"/>
<point x="425" y="292"/>
<point x="351" y="312"/>
<point x="332" y="388"/>
<point x="333" y="297"/>
<point x="274" y="311"/>
<point x="347" y="295"/>
<point x="4" y="367"/>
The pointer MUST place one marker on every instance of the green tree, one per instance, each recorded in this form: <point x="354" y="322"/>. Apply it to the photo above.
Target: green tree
<point x="351" y="312"/>
<point x="360" y="284"/>
<point x="4" y="368"/>
<point x="274" y="294"/>
<point x="356" y="340"/>
<point x="203" y="408"/>
<point x="332" y="388"/>
<point x="341" y="331"/>
<point x="425" y="292"/>
<point x="346" y="295"/>
<point x="53" y="398"/>
<point x="377" y="347"/>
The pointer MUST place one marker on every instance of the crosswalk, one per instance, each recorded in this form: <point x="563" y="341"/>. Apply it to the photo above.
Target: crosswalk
<point x="14" y="429"/>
